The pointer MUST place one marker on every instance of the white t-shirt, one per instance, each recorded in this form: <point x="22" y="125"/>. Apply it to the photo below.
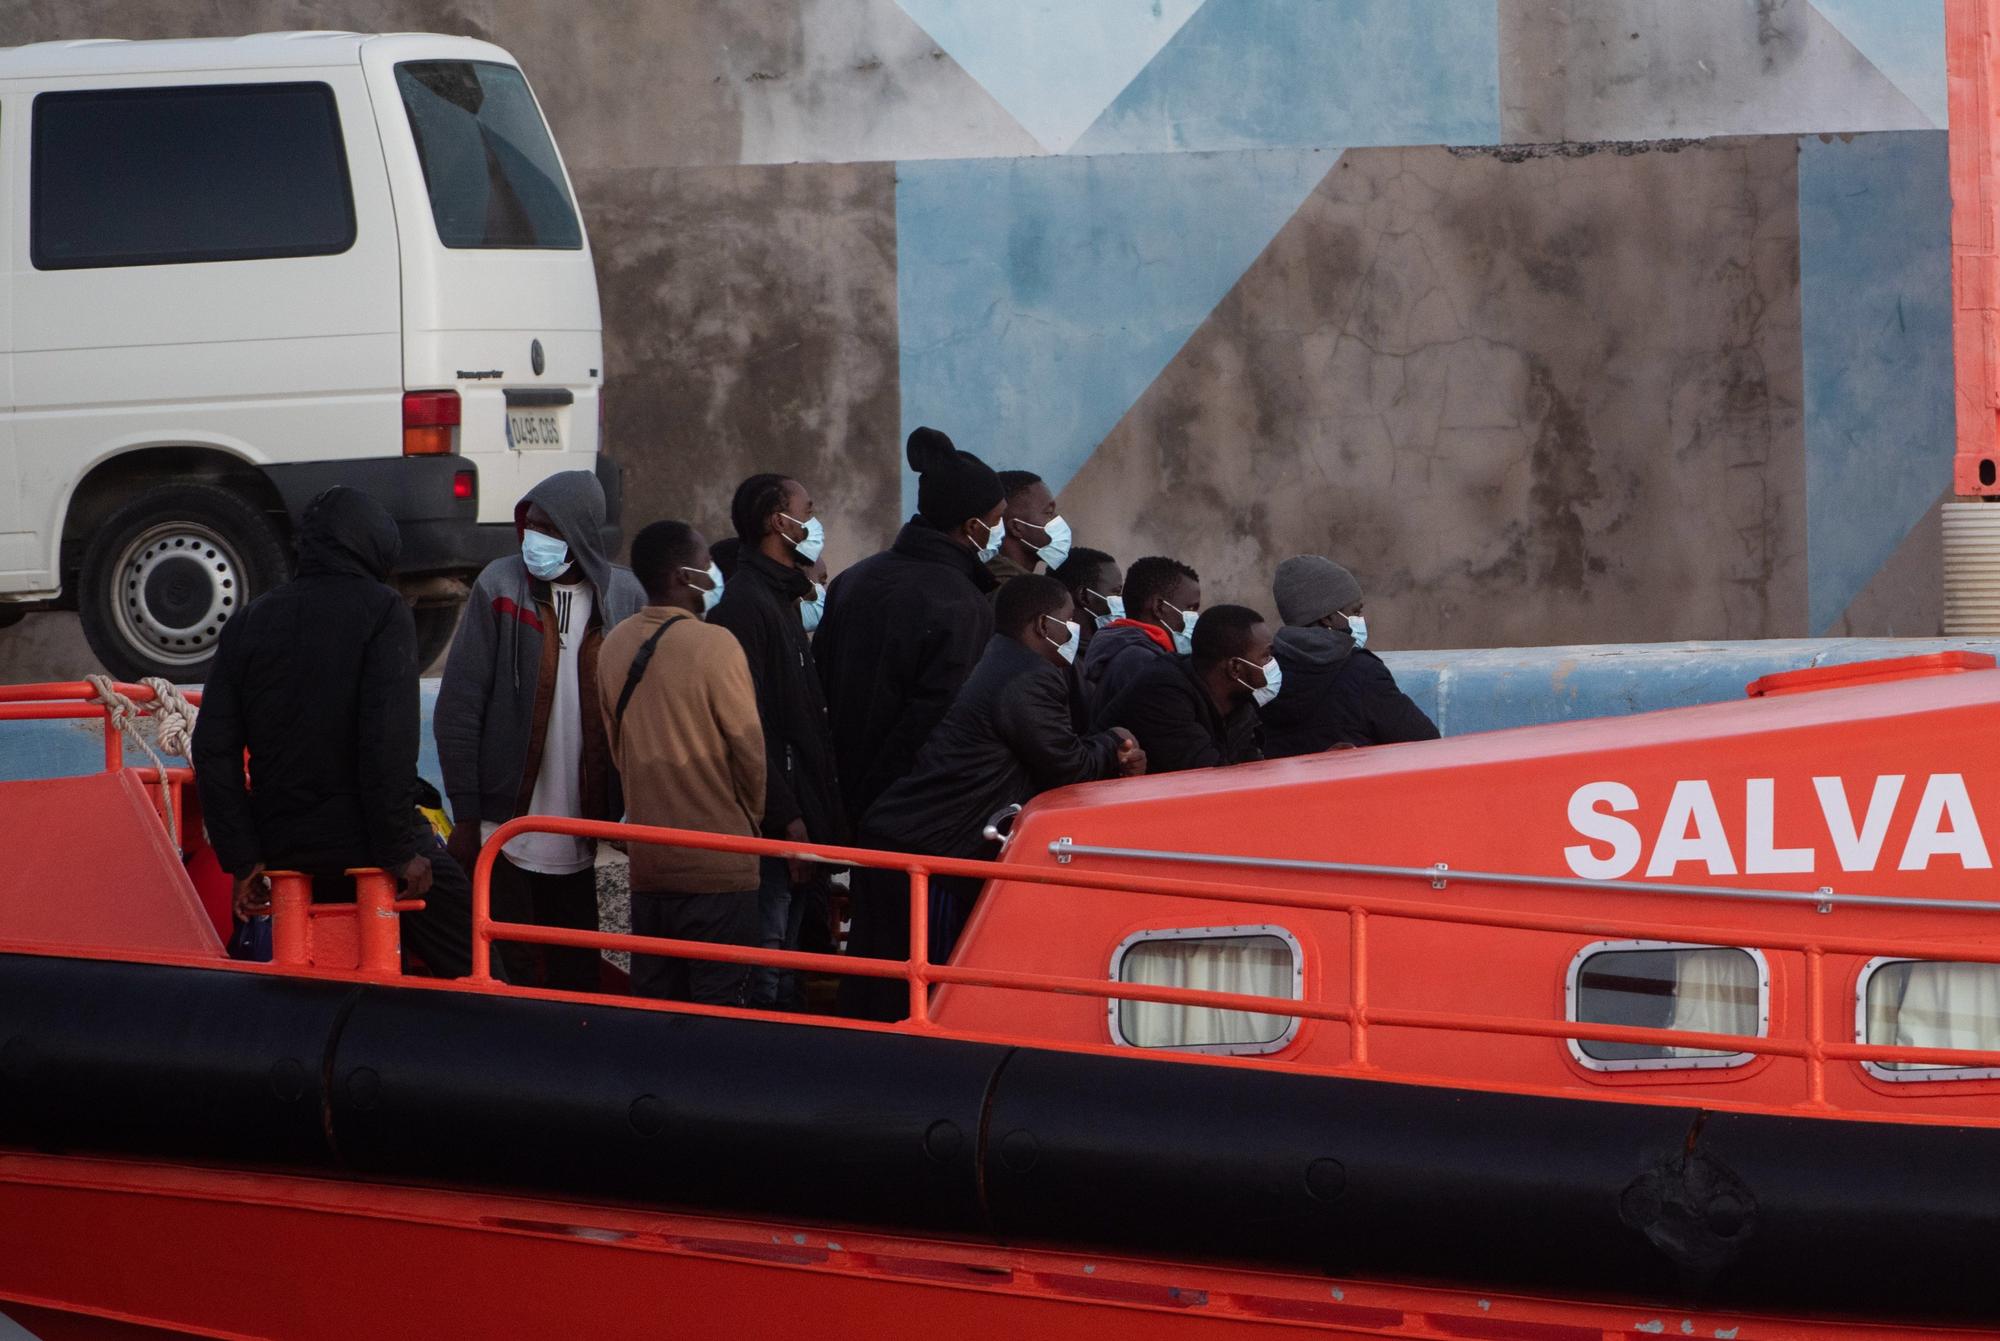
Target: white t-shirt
<point x="556" y="782"/>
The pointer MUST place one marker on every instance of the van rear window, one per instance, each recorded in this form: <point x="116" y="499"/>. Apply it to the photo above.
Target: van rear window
<point x="163" y="176"/>
<point x="488" y="161"/>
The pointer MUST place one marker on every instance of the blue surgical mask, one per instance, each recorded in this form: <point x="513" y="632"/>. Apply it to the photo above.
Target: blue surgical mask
<point x="1114" y="607"/>
<point x="713" y="592"/>
<point x="1358" y="626"/>
<point x="1184" y="635"/>
<point x="1067" y="648"/>
<point x="1274" y="677"/>
<point x="545" y="555"/>
<point x="814" y="610"/>
<point x="1056" y="549"/>
<point x="809" y="548"/>
<point x="994" y="535"/>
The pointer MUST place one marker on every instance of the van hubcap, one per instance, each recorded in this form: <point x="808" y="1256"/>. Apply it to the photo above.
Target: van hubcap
<point x="178" y="584"/>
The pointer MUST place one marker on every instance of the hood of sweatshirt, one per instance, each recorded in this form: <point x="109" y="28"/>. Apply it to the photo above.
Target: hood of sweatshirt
<point x="1312" y="646"/>
<point x="346" y="533"/>
<point x="574" y="501"/>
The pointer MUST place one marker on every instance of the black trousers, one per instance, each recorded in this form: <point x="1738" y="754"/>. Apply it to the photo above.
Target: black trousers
<point x="879" y="928"/>
<point x="440" y="935"/>
<point x="721" y="919"/>
<point x="546" y="901"/>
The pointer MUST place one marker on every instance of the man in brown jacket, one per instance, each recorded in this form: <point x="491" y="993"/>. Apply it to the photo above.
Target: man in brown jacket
<point x="681" y="712"/>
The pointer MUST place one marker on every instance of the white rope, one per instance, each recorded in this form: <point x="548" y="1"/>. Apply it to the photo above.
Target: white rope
<point x="174" y="717"/>
<point x="175" y="730"/>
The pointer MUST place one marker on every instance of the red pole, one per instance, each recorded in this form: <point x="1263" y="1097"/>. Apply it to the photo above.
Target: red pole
<point x="291" y="918"/>
<point x="378" y="928"/>
<point x="482" y="911"/>
<point x="920" y="948"/>
<point x="1971" y="53"/>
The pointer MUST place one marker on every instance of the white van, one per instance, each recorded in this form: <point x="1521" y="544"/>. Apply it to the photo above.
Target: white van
<point x="240" y="271"/>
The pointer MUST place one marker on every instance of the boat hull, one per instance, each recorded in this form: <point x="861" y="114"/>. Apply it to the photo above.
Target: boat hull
<point x="487" y="1094"/>
<point x="115" y="1250"/>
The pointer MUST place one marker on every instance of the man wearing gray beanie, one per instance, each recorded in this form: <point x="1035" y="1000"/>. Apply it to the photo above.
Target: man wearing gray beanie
<point x="1336" y="692"/>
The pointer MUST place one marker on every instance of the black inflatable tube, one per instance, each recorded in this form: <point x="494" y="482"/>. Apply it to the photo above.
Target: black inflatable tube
<point x="1584" y="1198"/>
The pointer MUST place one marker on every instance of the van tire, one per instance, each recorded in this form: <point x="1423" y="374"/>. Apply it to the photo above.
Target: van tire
<point x="166" y="571"/>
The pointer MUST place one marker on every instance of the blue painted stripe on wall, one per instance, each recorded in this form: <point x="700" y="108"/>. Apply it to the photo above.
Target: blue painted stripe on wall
<point x="1248" y="74"/>
<point x="1040" y="297"/>
<point x="1905" y="41"/>
<point x="1875" y="274"/>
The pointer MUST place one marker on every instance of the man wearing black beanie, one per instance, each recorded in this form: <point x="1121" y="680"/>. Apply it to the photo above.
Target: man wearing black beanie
<point x="902" y="631"/>
<point x="904" y="628"/>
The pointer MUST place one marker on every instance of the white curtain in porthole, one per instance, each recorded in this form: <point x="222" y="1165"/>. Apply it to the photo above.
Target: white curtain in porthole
<point x="1251" y="965"/>
<point x="1715" y="992"/>
<point x="1947" y="1006"/>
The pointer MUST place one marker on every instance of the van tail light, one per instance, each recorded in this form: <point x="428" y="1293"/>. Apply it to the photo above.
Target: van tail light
<point x="430" y="423"/>
<point x="464" y="485"/>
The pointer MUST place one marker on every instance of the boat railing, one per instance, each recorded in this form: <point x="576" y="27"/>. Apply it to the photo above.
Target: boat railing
<point x="1815" y="1048"/>
<point x="79" y="701"/>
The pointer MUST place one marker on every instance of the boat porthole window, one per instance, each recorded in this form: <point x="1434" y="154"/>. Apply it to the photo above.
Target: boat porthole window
<point x="1253" y="961"/>
<point x="1705" y="989"/>
<point x="1924" y="1003"/>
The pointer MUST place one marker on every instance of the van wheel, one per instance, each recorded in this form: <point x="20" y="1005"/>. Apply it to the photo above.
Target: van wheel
<point x="166" y="571"/>
<point x="435" y="625"/>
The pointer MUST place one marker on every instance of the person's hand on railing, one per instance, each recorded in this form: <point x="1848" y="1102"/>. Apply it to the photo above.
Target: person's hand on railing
<point x="413" y="877"/>
<point x="252" y="894"/>
<point x="802" y="870"/>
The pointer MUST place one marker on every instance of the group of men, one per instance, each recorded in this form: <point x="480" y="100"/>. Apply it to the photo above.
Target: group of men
<point x="978" y="661"/>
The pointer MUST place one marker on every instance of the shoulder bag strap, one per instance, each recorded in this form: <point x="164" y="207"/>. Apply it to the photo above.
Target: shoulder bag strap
<point x="640" y="660"/>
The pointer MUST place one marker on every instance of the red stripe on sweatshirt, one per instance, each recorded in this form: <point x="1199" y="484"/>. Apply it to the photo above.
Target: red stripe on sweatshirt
<point x="504" y="605"/>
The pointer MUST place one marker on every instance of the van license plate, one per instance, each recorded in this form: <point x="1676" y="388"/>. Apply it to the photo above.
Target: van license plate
<point x="534" y="430"/>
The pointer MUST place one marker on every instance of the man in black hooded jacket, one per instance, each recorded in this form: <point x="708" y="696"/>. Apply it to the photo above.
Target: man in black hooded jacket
<point x="903" y="628"/>
<point x="1200" y="711"/>
<point x="1008" y="736"/>
<point x="1336" y="692"/>
<point x="317" y="680"/>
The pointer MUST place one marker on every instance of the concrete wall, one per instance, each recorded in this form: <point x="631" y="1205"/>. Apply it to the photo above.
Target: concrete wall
<point x="1682" y="370"/>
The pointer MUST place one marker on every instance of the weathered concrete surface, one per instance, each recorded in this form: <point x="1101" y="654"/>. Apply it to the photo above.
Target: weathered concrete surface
<point x="638" y="84"/>
<point x="1056" y="289"/>
<point x="1581" y="70"/>
<point x="1906" y="598"/>
<point x="1350" y="73"/>
<point x="1875" y="283"/>
<point x="1527" y="397"/>
<point x="756" y="312"/>
<point x="1545" y="400"/>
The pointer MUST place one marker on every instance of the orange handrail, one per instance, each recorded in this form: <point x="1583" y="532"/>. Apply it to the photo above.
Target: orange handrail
<point x="1816" y="1050"/>
<point x="75" y="700"/>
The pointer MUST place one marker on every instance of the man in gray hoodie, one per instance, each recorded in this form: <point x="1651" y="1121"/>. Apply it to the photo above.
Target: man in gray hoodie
<point x="517" y="726"/>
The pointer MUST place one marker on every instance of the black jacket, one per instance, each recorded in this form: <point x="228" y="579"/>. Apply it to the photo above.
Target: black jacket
<point x="1007" y="737"/>
<point x="1176" y="723"/>
<point x="760" y="605"/>
<point x="1118" y="655"/>
<point x="901" y="633"/>
<point x="318" y="680"/>
<point x="1335" y="693"/>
